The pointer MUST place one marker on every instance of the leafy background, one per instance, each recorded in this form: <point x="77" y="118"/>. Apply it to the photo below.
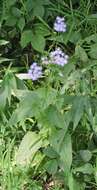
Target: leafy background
<point x="48" y="128"/>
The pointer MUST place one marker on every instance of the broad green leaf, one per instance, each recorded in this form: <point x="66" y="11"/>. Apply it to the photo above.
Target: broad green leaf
<point x="81" y="54"/>
<point x="50" y="152"/>
<point x="85" y="169"/>
<point x="73" y="184"/>
<point x="41" y="29"/>
<point x="91" y="38"/>
<point x="38" y="42"/>
<point x="16" y="12"/>
<point x="86" y="155"/>
<point x="52" y="117"/>
<point x="38" y="11"/>
<point x="8" y="87"/>
<point x="21" y="23"/>
<point x="93" y="51"/>
<point x="56" y="139"/>
<point x="29" y="5"/>
<point x="66" y="153"/>
<point x="77" y="110"/>
<point x="32" y="103"/>
<point x="51" y="166"/>
<point x="26" y="38"/>
<point x="75" y="37"/>
<point x="95" y="171"/>
<point x="11" y="21"/>
<point x="30" y="144"/>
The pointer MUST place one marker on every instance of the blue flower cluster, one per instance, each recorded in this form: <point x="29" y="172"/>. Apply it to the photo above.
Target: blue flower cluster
<point x="57" y="57"/>
<point x="35" y="71"/>
<point x="59" y="24"/>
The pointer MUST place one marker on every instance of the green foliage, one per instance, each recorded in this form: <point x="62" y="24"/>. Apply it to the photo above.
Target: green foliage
<point x="48" y="128"/>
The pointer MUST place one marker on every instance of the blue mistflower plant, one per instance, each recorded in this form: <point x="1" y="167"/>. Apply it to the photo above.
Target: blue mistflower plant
<point x="59" y="24"/>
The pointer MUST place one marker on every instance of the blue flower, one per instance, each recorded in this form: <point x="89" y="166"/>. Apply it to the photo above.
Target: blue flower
<point x="57" y="57"/>
<point x="59" y="24"/>
<point x="35" y="71"/>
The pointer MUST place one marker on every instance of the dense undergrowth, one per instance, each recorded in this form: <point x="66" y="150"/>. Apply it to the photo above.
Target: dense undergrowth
<point x="48" y="95"/>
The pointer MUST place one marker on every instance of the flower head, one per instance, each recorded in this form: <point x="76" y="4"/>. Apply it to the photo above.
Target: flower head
<point x="57" y="57"/>
<point x="35" y="71"/>
<point x="59" y="24"/>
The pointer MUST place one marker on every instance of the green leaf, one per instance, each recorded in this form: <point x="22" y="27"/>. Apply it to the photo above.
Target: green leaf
<point x="38" y="11"/>
<point x="93" y="51"/>
<point x="51" y="166"/>
<point x="88" y="110"/>
<point x="38" y="42"/>
<point x="29" y="5"/>
<point x="16" y="12"/>
<point x="3" y="59"/>
<point x="3" y="42"/>
<point x="77" y="110"/>
<point x="50" y="152"/>
<point x="30" y="144"/>
<point x="32" y="103"/>
<point x="86" y="155"/>
<point x="81" y="54"/>
<point x="21" y="23"/>
<point x="7" y="87"/>
<point x="66" y="153"/>
<point x="11" y="21"/>
<point x="56" y="139"/>
<point x="41" y="29"/>
<point x="53" y="117"/>
<point x="85" y="169"/>
<point x="75" y="37"/>
<point x="91" y="38"/>
<point x="73" y="184"/>
<point x="26" y="38"/>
